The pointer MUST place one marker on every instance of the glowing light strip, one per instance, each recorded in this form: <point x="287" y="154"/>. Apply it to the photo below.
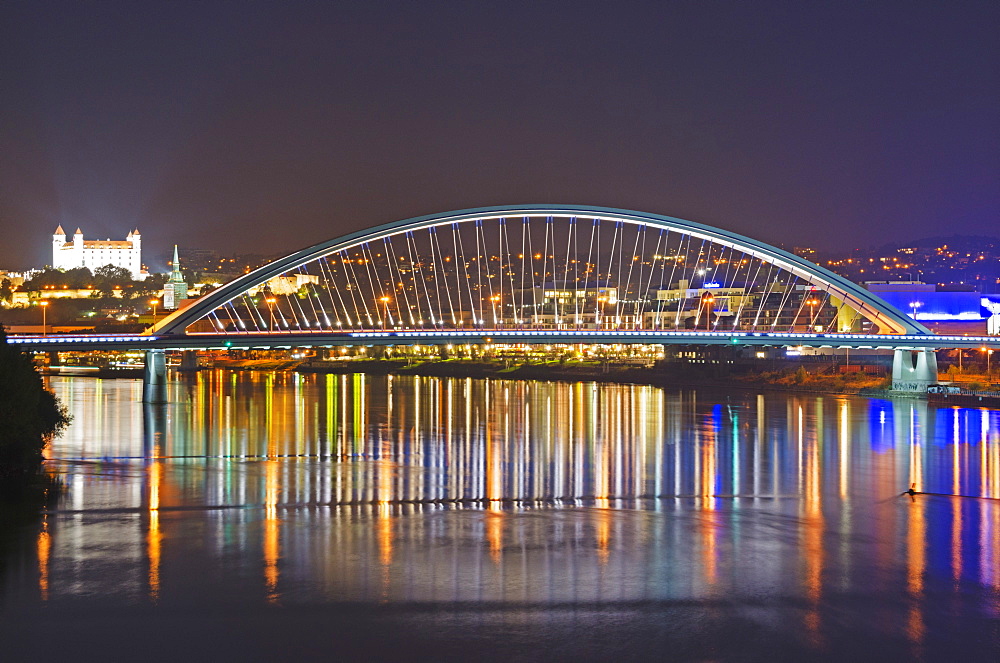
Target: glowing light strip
<point x="554" y="334"/>
<point x="78" y="339"/>
<point x="968" y="315"/>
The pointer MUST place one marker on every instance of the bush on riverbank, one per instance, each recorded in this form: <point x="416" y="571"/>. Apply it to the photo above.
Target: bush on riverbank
<point x="29" y="415"/>
<point x="802" y="379"/>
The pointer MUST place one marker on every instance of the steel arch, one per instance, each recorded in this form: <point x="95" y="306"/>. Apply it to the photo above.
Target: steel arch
<point x="874" y="308"/>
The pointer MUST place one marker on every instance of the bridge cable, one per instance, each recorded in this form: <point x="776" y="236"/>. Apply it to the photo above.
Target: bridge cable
<point x="505" y="237"/>
<point x="574" y="230"/>
<point x="482" y="263"/>
<point x="668" y="284"/>
<point x="790" y="285"/>
<point x="356" y="290"/>
<point x="332" y="289"/>
<point x="460" y="259"/>
<point x="693" y="267"/>
<point x="418" y="267"/>
<point x="531" y="258"/>
<point x="728" y="281"/>
<point x="590" y="251"/>
<point x="372" y="268"/>
<point x="612" y="261"/>
<point x="628" y="282"/>
<point x="399" y="287"/>
<point x="767" y="291"/>
<point x="725" y="280"/>
<point x="309" y="298"/>
<point x="439" y="268"/>
<point x="566" y="263"/>
<point x="649" y="279"/>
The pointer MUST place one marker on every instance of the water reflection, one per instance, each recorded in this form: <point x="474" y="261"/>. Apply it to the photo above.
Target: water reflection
<point x="495" y="441"/>
<point x="287" y="488"/>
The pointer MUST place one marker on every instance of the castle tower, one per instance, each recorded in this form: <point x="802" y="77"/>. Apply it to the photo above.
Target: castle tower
<point x="135" y="254"/>
<point x="58" y="242"/>
<point x="77" y="254"/>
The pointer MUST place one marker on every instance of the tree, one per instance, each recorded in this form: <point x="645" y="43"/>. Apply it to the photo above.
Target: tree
<point x="151" y="284"/>
<point x="108" y="277"/>
<point x="6" y="292"/>
<point x="45" y="278"/>
<point x="79" y="277"/>
<point x="30" y="414"/>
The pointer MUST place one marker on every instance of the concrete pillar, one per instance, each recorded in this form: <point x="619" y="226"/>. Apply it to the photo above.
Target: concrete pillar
<point x="189" y="360"/>
<point x="913" y="370"/>
<point x="154" y="377"/>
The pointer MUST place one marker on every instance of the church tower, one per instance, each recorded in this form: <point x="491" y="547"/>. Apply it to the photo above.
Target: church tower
<point x="175" y="289"/>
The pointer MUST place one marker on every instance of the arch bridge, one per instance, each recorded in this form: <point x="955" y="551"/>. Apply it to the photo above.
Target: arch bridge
<point x="539" y="268"/>
<point x="547" y="274"/>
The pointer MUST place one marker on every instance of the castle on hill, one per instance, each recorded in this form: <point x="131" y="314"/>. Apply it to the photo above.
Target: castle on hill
<point x="92" y="254"/>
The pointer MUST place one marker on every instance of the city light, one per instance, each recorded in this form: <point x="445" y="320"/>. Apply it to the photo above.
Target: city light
<point x="45" y="306"/>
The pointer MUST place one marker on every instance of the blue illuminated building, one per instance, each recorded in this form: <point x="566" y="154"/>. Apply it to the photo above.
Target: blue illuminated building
<point x="944" y="310"/>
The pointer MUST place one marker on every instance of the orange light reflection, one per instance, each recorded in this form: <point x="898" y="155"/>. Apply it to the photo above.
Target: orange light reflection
<point x="272" y="544"/>
<point x="44" y="546"/>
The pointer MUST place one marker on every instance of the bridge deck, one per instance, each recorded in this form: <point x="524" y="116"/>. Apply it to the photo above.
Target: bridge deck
<point x="85" y="343"/>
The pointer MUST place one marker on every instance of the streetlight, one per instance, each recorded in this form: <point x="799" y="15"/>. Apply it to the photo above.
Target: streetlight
<point x="496" y="300"/>
<point x="45" y="307"/>
<point x="708" y="306"/>
<point x="153" y="303"/>
<point x="812" y="301"/>
<point x="988" y="354"/>
<point x="915" y="306"/>
<point x="270" y="308"/>
<point x="385" y="301"/>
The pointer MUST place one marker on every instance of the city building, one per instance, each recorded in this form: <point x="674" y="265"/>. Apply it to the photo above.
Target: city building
<point x="944" y="309"/>
<point x="93" y="254"/>
<point x="286" y="284"/>
<point x="175" y="289"/>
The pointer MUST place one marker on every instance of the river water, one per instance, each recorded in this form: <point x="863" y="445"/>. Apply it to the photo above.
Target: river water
<point x="275" y="516"/>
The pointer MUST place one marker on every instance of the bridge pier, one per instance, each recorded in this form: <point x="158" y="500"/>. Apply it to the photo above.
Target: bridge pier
<point x="154" y="377"/>
<point x="189" y="360"/>
<point x="913" y="370"/>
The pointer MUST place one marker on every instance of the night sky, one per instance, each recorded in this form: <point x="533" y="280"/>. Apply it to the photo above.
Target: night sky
<point x="268" y="126"/>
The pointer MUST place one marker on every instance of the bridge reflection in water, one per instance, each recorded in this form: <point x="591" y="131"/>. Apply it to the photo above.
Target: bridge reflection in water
<point x="292" y="489"/>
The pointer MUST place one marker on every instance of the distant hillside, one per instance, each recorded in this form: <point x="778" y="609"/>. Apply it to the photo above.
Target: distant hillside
<point x="961" y="243"/>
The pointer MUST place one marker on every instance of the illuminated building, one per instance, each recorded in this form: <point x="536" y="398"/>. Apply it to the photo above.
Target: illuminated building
<point x="175" y="289"/>
<point x="286" y="284"/>
<point x="93" y="254"/>
<point x="944" y="309"/>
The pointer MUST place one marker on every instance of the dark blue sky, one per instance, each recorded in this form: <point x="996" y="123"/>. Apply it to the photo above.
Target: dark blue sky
<point x="268" y="126"/>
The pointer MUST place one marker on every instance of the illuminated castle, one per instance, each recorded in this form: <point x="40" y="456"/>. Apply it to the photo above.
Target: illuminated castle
<point x="97" y="253"/>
